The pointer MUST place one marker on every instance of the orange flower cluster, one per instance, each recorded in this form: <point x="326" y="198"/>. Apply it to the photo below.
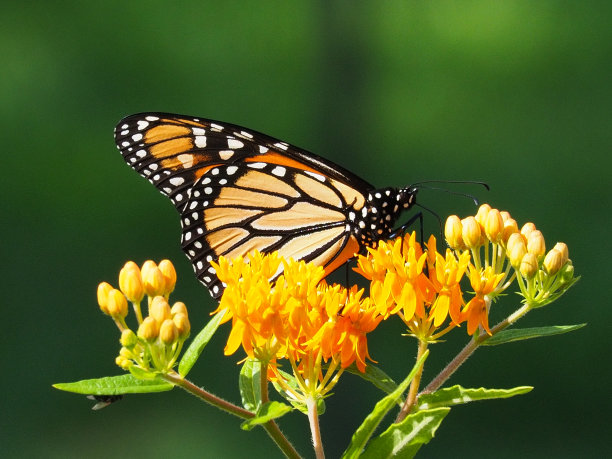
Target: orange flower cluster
<point x="423" y="287"/>
<point x="299" y="317"/>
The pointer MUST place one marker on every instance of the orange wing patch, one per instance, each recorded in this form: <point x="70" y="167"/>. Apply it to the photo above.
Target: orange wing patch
<point x="317" y="190"/>
<point x="260" y="181"/>
<point x="165" y="132"/>
<point x="232" y="196"/>
<point x="224" y="239"/>
<point x="216" y="217"/>
<point x="300" y="215"/>
<point x="302" y="246"/>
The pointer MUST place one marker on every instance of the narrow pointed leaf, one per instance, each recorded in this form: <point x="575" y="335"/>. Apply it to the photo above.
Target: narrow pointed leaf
<point x="368" y="426"/>
<point x="457" y="395"/>
<point x="115" y="385"/>
<point x="406" y="438"/>
<point x="198" y="344"/>
<point x="518" y="334"/>
<point x="250" y="384"/>
<point x="267" y="412"/>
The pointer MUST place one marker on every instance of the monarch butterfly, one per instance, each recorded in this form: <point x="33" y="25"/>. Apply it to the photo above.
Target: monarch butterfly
<point x="237" y="190"/>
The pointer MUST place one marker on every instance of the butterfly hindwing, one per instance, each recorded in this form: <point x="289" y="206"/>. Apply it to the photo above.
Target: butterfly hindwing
<point x="234" y="209"/>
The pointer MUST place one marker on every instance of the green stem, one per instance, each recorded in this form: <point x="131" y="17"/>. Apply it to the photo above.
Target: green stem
<point x="414" y="385"/>
<point x="313" y="419"/>
<point x="175" y="378"/>
<point x="469" y="349"/>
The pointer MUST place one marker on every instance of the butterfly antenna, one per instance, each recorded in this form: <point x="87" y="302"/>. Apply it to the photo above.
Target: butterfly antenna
<point x="462" y="182"/>
<point x="456" y="193"/>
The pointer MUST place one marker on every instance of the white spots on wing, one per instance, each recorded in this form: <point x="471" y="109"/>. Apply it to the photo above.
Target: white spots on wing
<point x="176" y="181"/>
<point x="209" y="258"/>
<point x="198" y="131"/>
<point x="187" y="235"/>
<point x="281" y="145"/>
<point x="216" y="127"/>
<point x="207" y="279"/>
<point x="226" y="154"/>
<point x="125" y="132"/>
<point x="137" y="137"/>
<point x="151" y="118"/>
<point x="199" y="265"/>
<point x="263" y="150"/>
<point x="124" y="126"/>
<point x="215" y="289"/>
<point x="279" y="171"/>
<point x="246" y="134"/>
<point x="233" y="144"/>
<point x="142" y="125"/>
<point x="222" y="181"/>
<point x="211" y="270"/>
<point x="206" y="181"/>
<point x="200" y="141"/>
<point x="378" y="195"/>
<point x="193" y="205"/>
<point x="178" y="197"/>
<point x="231" y="170"/>
<point x="198" y="244"/>
<point x="153" y="166"/>
<point x="215" y="171"/>
<point x="141" y="153"/>
<point x="167" y="190"/>
<point x="125" y="144"/>
<point x="316" y="176"/>
<point x="364" y="212"/>
<point x="208" y="190"/>
<point x="361" y="225"/>
<point x="351" y="216"/>
<point x="257" y="165"/>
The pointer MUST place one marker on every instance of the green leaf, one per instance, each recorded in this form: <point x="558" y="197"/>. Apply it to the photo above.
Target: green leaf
<point x="115" y="385"/>
<point x="198" y="344"/>
<point x="457" y="395"/>
<point x="404" y="440"/>
<point x="297" y="404"/>
<point x="267" y="412"/>
<point x="367" y="427"/>
<point x="376" y="376"/>
<point x="518" y="334"/>
<point x="250" y="384"/>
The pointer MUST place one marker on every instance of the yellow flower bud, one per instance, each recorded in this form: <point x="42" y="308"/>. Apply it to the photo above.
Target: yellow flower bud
<point x="553" y="262"/>
<point x="510" y="227"/>
<point x="516" y="249"/>
<point x="117" y="304"/>
<point x="168" y="332"/>
<point x="160" y="309"/>
<point x="471" y="232"/>
<point x="536" y="244"/>
<point x="483" y="211"/>
<point x="167" y="269"/>
<point x="148" y="329"/>
<point x="494" y="225"/>
<point x="562" y="247"/>
<point x="130" y="282"/>
<point x="529" y="266"/>
<point x="128" y="338"/>
<point x="182" y="324"/>
<point x="527" y="228"/>
<point x="452" y="233"/>
<point x="153" y="281"/>
<point x="178" y="307"/>
<point x="505" y="215"/>
<point x="103" y="290"/>
<point x="123" y="363"/>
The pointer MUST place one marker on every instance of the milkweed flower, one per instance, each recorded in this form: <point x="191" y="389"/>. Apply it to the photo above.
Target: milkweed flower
<point x="298" y="317"/>
<point x="420" y="286"/>
<point x="157" y="343"/>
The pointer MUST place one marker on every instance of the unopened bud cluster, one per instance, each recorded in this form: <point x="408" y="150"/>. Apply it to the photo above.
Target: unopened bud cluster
<point x="159" y="338"/>
<point x="495" y="240"/>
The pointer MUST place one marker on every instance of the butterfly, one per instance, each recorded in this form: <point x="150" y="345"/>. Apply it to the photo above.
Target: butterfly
<point x="238" y="190"/>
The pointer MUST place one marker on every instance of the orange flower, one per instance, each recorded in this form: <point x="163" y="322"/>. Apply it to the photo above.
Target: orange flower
<point x="483" y="281"/>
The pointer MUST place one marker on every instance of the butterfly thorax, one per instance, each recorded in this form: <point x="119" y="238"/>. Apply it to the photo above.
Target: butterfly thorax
<point x="382" y="208"/>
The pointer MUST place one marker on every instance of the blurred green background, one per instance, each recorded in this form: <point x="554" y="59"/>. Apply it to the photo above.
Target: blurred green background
<point x="515" y="93"/>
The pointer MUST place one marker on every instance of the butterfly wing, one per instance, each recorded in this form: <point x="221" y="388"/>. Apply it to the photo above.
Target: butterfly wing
<point x="238" y="190"/>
